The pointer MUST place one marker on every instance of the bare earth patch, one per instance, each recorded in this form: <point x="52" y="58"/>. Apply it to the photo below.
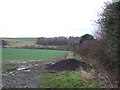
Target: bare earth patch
<point x="24" y="76"/>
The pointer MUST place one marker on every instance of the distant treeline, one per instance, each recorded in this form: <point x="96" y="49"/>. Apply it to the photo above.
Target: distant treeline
<point x="57" y="40"/>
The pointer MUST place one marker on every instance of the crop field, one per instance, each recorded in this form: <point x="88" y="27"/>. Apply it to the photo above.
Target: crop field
<point x="20" y="42"/>
<point x="28" y="54"/>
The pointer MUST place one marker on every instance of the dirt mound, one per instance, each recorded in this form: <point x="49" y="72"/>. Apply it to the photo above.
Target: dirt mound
<point x="67" y="64"/>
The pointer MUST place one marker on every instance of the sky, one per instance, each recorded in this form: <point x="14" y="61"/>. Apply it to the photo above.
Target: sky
<point x="48" y="18"/>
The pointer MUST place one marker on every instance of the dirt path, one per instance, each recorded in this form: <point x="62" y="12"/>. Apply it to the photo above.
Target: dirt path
<point x="68" y="56"/>
<point x="27" y="78"/>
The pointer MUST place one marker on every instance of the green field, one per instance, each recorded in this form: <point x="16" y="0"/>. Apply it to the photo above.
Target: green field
<point x="30" y="54"/>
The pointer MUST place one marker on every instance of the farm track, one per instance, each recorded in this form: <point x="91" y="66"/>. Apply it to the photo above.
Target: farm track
<point x="27" y="78"/>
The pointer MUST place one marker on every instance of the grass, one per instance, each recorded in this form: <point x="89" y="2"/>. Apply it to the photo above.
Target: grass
<point x="30" y="54"/>
<point x="71" y="55"/>
<point x="26" y="55"/>
<point x="67" y="79"/>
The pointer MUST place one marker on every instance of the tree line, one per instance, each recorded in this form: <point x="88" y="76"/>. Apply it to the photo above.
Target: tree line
<point x="56" y="40"/>
<point x="104" y="50"/>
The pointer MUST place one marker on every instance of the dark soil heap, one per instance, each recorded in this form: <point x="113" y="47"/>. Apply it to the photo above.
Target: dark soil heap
<point x="67" y="65"/>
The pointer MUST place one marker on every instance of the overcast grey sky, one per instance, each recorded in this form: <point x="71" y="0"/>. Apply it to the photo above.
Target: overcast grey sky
<point x="48" y="18"/>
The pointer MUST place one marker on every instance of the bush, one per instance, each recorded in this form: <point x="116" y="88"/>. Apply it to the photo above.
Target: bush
<point x="109" y="24"/>
<point x="104" y="51"/>
<point x="3" y="43"/>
